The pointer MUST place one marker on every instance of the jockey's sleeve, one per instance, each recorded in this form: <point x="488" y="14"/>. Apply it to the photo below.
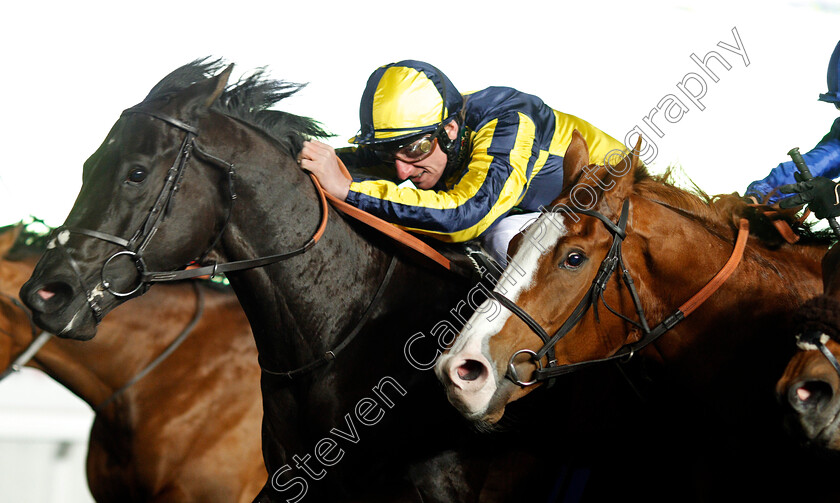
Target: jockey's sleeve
<point x="823" y="160"/>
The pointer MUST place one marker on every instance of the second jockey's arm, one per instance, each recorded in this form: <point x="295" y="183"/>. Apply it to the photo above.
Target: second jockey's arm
<point x="319" y="159"/>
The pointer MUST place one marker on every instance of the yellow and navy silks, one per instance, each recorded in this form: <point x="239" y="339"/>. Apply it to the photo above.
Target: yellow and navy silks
<point x="515" y="146"/>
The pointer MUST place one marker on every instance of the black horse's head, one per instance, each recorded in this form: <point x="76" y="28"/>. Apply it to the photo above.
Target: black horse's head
<point x="152" y="199"/>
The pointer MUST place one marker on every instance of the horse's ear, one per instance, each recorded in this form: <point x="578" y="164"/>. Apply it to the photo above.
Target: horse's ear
<point x="621" y="178"/>
<point x="221" y="81"/>
<point x="8" y="238"/>
<point x="576" y="157"/>
<point x="200" y="96"/>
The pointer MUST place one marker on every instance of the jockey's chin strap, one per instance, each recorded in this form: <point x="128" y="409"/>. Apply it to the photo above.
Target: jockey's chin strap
<point x="610" y="264"/>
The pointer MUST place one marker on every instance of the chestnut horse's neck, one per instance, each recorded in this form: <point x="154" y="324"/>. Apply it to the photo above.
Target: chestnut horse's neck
<point x="674" y="255"/>
<point x="95" y="369"/>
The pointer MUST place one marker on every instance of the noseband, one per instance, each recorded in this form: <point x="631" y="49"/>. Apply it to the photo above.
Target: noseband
<point x="815" y="340"/>
<point x="136" y="245"/>
<point x="611" y="263"/>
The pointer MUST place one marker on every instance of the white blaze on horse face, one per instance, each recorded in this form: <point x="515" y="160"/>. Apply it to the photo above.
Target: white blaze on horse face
<point x="473" y="342"/>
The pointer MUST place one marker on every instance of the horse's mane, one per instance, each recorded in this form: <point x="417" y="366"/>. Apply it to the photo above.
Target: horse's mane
<point x="248" y="100"/>
<point x="723" y="211"/>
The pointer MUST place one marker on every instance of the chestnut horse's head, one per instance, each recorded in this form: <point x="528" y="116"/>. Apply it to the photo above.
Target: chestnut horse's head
<point x="809" y="389"/>
<point x="620" y="259"/>
<point x="553" y="264"/>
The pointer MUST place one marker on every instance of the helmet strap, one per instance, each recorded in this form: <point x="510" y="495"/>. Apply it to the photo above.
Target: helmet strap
<point x="455" y="156"/>
<point x="446" y="143"/>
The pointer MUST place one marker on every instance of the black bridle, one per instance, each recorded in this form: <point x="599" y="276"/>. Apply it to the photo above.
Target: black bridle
<point x="135" y="246"/>
<point x="611" y="263"/>
<point x="815" y="340"/>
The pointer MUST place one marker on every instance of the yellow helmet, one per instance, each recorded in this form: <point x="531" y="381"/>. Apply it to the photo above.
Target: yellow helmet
<point x="405" y="99"/>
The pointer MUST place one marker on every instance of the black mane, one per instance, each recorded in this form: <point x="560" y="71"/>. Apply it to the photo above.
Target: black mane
<point x="248" y="100"/>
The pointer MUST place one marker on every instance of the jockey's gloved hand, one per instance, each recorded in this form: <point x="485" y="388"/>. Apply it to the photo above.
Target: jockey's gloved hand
<point x="819" y="193"/>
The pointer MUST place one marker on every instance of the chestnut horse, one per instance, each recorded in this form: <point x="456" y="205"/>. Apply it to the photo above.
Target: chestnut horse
<point x="809" y="389"/>
<point x="188" y="430"/>
<point x="716" y="367"/>
<point x="204" y="172"/>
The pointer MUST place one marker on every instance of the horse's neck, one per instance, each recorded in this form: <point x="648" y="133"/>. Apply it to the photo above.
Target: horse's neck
<point x="94" y="369"/>
<point x="67" y="367"/>
<point x="296" y="307"/>
<point x="753" y="302"/>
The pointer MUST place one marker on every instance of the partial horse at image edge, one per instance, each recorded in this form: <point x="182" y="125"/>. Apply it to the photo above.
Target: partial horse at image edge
<point x="142" y="446"/>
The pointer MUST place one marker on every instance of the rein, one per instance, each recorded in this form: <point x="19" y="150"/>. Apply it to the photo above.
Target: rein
<point x="611" y="263"/>
<point x="135" y="247"/>
<point x="333" y="353"/>
<point x="27" y="354"/>
<point x="38" y="341"/>
<point x="199" y="310"/>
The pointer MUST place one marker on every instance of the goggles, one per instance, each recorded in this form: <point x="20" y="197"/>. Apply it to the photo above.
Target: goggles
<point x="414" y="151"/>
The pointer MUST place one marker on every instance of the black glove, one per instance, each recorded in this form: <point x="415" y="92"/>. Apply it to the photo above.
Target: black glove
<point x="822" y="195"/>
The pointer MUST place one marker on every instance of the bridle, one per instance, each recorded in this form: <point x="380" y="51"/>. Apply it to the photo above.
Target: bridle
<point x="611" y="263"/>
<point x="815" y="339"/>
<point x="135" y="246"/>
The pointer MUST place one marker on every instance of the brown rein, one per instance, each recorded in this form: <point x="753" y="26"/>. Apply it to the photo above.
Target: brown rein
<point x="726" y="271"/>
<point x="613" y="262"/>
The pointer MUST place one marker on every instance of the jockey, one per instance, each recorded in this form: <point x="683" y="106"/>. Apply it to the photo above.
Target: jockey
<point x="824" y="162"/>
<point x="472" y="160"/>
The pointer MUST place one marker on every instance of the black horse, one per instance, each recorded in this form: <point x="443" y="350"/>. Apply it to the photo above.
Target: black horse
<point x="203" y="172"/>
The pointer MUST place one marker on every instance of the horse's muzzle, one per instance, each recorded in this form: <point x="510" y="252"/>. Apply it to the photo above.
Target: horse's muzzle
<point x="59" y="306"/>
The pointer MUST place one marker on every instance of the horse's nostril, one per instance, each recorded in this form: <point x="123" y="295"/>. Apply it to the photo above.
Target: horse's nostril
<point x="51" y="296"/>
<point x="470" y="370"/>
<point x="45" y="294"/>
<point x="803" y="394"/>
<point x="812" y="394"/>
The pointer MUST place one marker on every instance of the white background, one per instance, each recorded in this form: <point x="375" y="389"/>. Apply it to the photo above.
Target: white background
<point x="70" y="68"/>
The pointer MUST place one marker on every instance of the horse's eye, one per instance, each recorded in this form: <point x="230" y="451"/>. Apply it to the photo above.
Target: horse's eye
<point x="137" y="174"/>
<point x="574" y="260"/>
